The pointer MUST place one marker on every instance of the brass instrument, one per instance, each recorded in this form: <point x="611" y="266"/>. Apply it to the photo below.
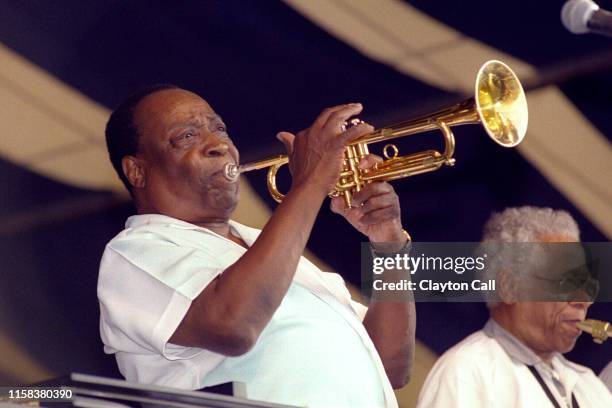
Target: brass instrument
<point x="499" y="104"/>
<point x="596" y="328"/>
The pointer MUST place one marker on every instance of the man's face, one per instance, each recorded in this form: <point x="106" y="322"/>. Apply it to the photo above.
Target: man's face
<point x="183" y="148"/>
<point x="548" y="327"/>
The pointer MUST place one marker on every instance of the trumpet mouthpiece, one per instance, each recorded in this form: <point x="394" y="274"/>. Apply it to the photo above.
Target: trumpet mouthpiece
<point x="231" y="172"/>
<point x="596" y="328"/>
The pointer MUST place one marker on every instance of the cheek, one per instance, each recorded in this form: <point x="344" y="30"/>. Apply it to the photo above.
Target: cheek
<point x="553" y="320"/>
<point x="235" y="154"/>
<point x="538" y="316"/>
<point x="174" y="171"/>
<point x="193" y="165"/>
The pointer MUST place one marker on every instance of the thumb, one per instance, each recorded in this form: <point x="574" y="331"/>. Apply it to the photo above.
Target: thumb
<point x="287" y="139"/>
<point x="337" y="205"/>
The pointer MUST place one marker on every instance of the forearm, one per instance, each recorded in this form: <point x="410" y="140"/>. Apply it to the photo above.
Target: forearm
<point x="261" y="277"/>
<point x="391" y="323"/>
<point x="391" y="326"/>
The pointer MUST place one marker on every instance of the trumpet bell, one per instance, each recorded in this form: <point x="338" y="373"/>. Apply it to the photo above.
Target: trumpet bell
<point x="501" y="103"/>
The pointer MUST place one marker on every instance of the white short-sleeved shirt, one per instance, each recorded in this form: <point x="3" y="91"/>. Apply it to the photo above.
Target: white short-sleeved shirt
<point x="488" y="369"/>
<point x="606" y="376"/>
<point x="314" y="352"/>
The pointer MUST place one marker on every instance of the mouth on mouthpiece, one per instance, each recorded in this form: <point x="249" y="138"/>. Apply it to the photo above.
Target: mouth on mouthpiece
<point x="231" y="171"/>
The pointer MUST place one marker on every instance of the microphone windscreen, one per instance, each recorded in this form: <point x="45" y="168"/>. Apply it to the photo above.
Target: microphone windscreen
<point x="575" y="15"/>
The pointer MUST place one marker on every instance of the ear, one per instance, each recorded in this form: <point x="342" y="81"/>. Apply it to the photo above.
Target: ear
<point x="134" y="170"/>
<point x="508" y="287"/>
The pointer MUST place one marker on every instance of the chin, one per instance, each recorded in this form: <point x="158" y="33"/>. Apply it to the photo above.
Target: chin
<point x="222" y="199"/>
<point x="567" y="345"/>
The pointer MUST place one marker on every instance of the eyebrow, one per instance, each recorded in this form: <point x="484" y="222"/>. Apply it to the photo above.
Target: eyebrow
<point x="213" y="116"/>
<point x="195" y="122"/>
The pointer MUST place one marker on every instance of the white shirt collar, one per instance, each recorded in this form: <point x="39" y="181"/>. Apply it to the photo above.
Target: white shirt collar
<point x="247" y="234"/>
<point x="140" y="220"/>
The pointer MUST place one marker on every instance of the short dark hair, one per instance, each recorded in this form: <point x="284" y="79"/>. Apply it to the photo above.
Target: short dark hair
<point x="122" y="137"/>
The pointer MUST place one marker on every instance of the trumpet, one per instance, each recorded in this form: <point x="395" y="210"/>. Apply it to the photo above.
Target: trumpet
<point x="499" y="104"/>
<point x="596" y="328"/>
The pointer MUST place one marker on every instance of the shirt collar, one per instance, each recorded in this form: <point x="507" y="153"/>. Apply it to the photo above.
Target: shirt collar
<point x="248" y="234"/>
<point x="140" y="220"/>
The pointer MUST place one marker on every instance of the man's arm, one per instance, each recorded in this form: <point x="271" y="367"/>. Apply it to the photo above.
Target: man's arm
<point x="390" y="324"/>
<point x="231" y="312"/>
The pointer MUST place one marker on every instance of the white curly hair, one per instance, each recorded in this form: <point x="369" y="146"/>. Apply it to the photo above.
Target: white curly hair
<point x="521" y="224"/>
<point x="529" y="224"/>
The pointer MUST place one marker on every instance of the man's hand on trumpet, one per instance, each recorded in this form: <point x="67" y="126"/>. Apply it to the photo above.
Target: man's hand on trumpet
<point x="316" y="154"/>
<point x="375" y="210"/>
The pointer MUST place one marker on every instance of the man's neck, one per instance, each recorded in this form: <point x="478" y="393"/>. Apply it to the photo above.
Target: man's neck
<point x="224" y="229"/>
<point x="217" y="226"/>
<point x="216" y="220"/>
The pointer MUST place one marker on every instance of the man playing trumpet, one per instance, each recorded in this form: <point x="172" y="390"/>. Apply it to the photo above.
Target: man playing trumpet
<point x="516" y="359"/>
<point x="190" y="298"/>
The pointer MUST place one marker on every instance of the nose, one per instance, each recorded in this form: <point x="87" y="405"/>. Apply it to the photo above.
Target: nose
<point x="216" y="148"/>
<point x="581" y="300"/>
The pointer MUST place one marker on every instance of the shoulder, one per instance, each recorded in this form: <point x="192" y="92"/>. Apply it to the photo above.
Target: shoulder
<point x="477" y="342"/>
<point x="149" y="232"/>
<point x="475" y="355"/>
<point x="463" y="374"/>
<point x="606" y="375"/>
<point x="176" y="254"/>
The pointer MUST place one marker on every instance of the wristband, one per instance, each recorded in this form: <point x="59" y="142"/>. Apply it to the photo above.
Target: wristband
<point x="383" y="247"/>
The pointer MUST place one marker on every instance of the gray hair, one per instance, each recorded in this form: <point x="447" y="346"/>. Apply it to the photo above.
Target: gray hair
<point x="521" y="224"/>
<point x="529" y="224"/>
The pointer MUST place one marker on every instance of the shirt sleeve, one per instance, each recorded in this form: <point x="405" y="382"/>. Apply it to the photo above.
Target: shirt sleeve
<point x="145" y="287"/>
<point x="606" y="376"/>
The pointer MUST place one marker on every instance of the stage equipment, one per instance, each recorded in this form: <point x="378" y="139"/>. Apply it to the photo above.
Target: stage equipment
<point x="596" y="328"/>
<point x="585" y="16"/>
<point x="499" y="104"/>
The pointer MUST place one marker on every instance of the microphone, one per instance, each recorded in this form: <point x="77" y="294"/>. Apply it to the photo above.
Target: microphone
<point x="585" y="16"/>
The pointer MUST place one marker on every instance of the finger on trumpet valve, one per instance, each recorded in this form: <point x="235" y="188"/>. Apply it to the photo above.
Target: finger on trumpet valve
<point x="350" y="123"/>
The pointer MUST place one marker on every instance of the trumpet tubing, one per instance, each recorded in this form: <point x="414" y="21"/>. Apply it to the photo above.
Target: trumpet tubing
<point x="499" y="104"/>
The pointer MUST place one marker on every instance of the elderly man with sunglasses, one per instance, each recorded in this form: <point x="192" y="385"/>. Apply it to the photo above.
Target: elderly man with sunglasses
<point x="516" y="359"/>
